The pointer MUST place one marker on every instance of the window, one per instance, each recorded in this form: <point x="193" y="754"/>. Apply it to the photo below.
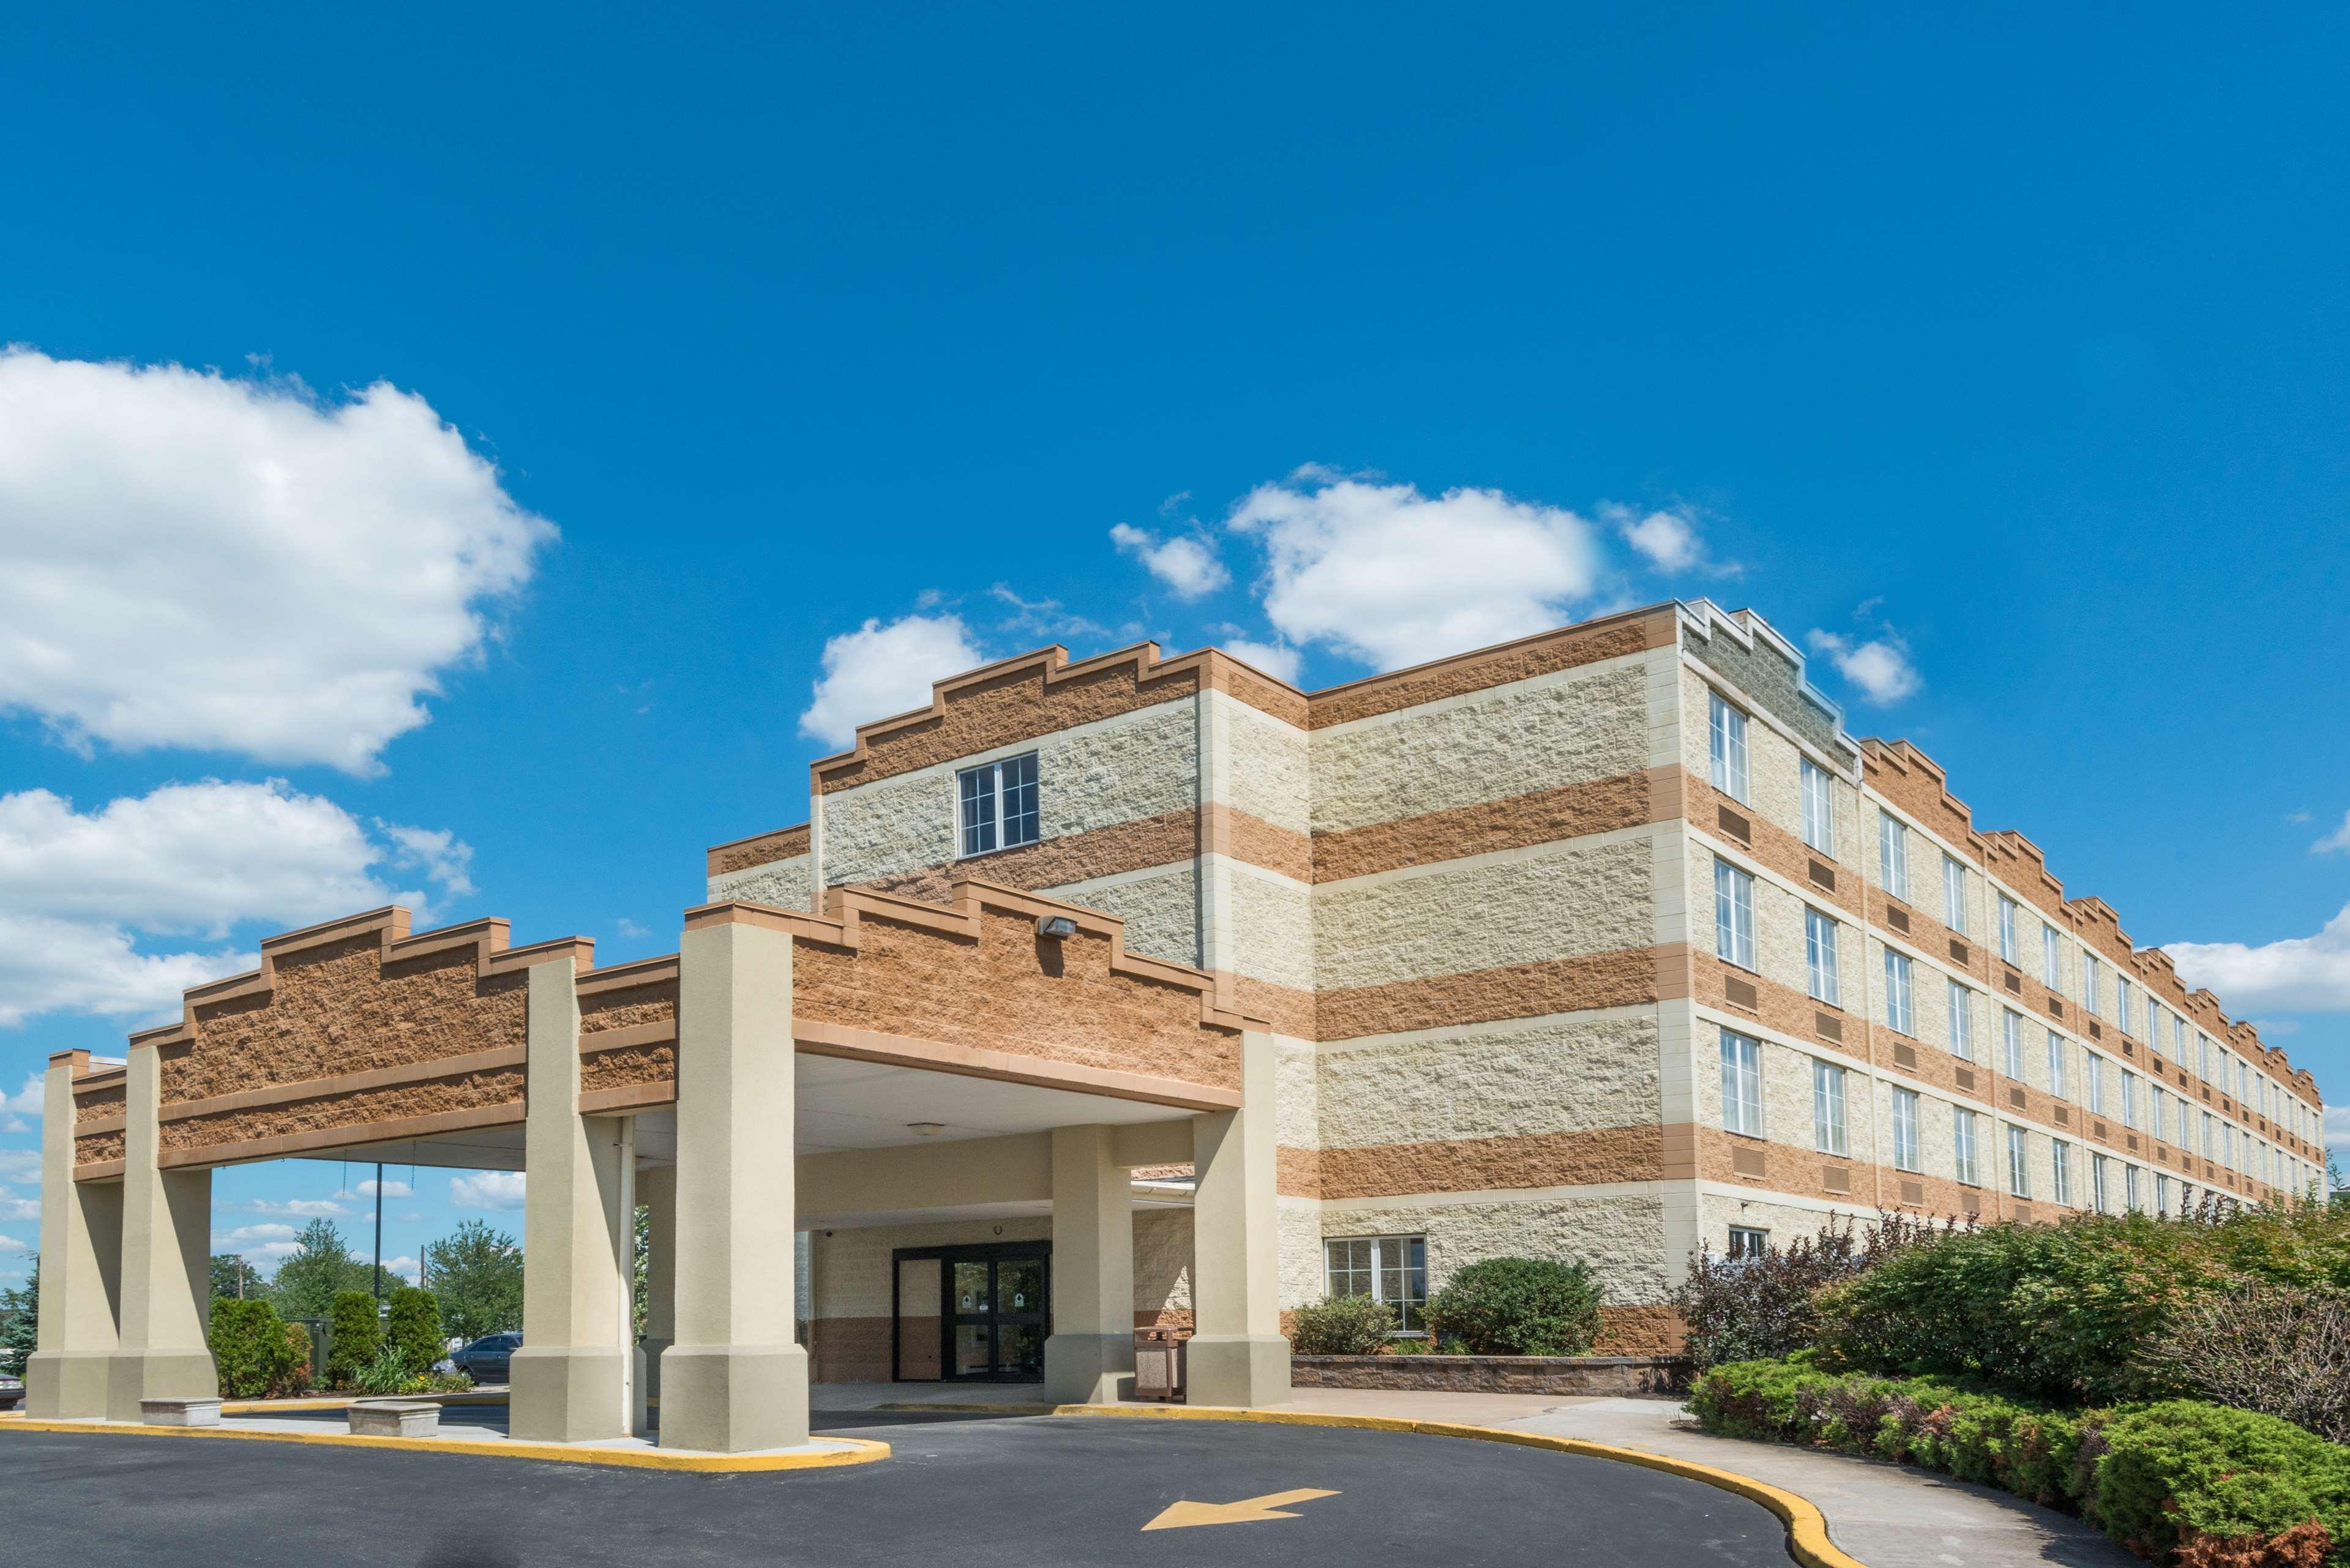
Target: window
<point x="2060" y="1157"/>
<point x="2122" y="1007"/>
<point x="2052" y="959"/>
<point x="2129" y="1099"/>
<point x="1819" y="809"/>
<point x="2019" y="1166"/>
<point x="999" y="805"/>
<point x="2010" y="1029"/>
<point x="1820" y="957"/>
<point x="2089" y="980"/>
<point x="2100" y="1196"/>
<point x="2154" y="1118"/>
<point x="1392" y="1269"/>
<point x="2243" y="1081"/>
<point x="2204" y="1057"/>
<point x="2161" y="1193"/>
<point x="1962" y="1139"/>
<point x="1954" y="895"/>
<point x="1729" y="729"/>
<point x="1741" y="1085"/>
<point x="2210" y="1136"/>
<point x="1827" y="1108"/>
<point x="1963" y="1022"/>
<point x="1893" y="855"/>
<point x="2056" y="1066"/>
<point x="1905" y="1129"/>
<point x="1733" y="915"/>
<point x="1746" y="1242"/>
<point x="2093" y="1069"/>
<point x="2007" y="928"/>
<point x="1898" y="1016"/>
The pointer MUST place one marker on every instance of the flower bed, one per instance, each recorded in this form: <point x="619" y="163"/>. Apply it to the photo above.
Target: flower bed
<point x="1616" y="1375"/>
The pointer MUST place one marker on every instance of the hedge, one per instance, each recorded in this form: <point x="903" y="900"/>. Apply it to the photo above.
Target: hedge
<point x="1518" y="1306"/>
<point x="2180" y="1482"/>
<point x="257" y="1353"/>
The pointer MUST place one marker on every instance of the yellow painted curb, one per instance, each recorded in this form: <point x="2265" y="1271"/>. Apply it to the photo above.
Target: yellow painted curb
<point x="860" y="1451"/>
<point x="338" y="1401"/>
<point x="970" y="1407"/>
<point x="1807" y="1528"/>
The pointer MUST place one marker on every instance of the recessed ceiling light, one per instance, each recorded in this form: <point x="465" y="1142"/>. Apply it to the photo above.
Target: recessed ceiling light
<point x="926" y="1129"/>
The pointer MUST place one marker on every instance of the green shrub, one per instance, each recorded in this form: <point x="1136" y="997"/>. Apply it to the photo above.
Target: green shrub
<point x="256" y="1354"/>
<point x="386" y="1372"/>
<point x="1740" y="1308"/>
<point x="1518" y="1306"/>
<point x="2182" y="1470"/>
<point x="2282" y="1350"/>
<point x="413" y="1328"/>
<point x="1342" y="1326"/>
<point x="355" y="1337"/>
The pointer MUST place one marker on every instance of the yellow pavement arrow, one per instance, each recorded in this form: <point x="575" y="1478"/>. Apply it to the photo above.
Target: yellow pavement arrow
<point x="1247" y="1511"/>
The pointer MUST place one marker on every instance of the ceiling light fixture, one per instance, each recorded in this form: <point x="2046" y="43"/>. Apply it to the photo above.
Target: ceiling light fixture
<point x="926" y="1129"/>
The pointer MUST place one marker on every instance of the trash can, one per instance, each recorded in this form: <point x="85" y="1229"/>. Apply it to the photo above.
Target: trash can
<point x="1157" y="1364"/>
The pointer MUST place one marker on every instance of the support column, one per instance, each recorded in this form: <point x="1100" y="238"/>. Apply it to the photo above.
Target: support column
<point x="1089" y="1359"/>
<point x="736" y="1380"/>
<point x="569" y="1384"/>
<point x="81" y="1258"/>
<point x="166" y="1292"/>
<point x="657" y="1191"/>
<point x="1237" y="1355"/>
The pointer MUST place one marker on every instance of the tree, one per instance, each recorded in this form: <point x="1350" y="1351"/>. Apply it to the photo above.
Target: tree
<point x="357" y="1337"/>
<point x="20" y="1312"/>
<point x="477" y="1277"/>
<point x="413" y="1328"/>
<point x="641" y="1292"/>
<point x="235" y="1280"/>
<point x="318" y="1270"/>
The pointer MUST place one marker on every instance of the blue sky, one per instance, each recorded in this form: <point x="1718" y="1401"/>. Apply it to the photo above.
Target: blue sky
<point x="558" y="385"/>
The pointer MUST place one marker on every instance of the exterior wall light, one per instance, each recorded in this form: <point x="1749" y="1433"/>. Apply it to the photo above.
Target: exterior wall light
<point x="1056" y="926"/>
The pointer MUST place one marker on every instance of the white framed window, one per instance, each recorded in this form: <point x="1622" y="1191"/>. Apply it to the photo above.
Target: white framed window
<point x="2203" y="1066"/>
<point x="2019" y="1163"/>
<point x="1963" y="1022"/>
<point x="1741" y="1085"/>
<point x="2093" y="1069"/>
<point x="2089" y="988"/>
<point x="2011" y="1033"/>
<point x="1733" y="915"/>
<point x="2052" y="959"/>
<point x="1819" y="808"/>
<point x="2057" y="1085"/>
<point x="1391" y="1268"/>
<point x="2060" y="1165"/>
<point x="1893" y="855"/>
<point x="1827" y="1108"/>
<point x="2210" y="1137"/>
<point x="2122" y="1007"/>
<point x="2243" y="1081"/>
<point x="2101" y="1196"/>
<point x="998" y="803"/>
<point x="1962" y="1142"/>
<point x="1905" y="1129"/>
<point x="2154" y="1116"/>
<point x="1728" y="748"/>
<point x="2161" y="1193"/>
<point x="2007" y="928"/>
<point x="2129" y="1099"/>
<point x="1820" y="957"/>
<point x="1954" y="894"/>
<point x="1748" y="1241"/>
<point x="1899" y="1015"/>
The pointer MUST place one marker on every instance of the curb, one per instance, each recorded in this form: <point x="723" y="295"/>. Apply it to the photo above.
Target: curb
<point x="854" y="1451"/>
<point x="1807" y="1528"/>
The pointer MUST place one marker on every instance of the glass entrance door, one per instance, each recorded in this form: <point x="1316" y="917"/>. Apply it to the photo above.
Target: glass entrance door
<point x="996" y="1312"/>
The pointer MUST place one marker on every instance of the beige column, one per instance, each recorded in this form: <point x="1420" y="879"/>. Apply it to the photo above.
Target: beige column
<point x="656" y="1191"/>
<point x="570" y="1383"/>
<point x="166" y="1298"/>
<point x="734" y="1380"/>
<point x="81" y="1258"/>
<point x="1089" y="1359"/>
<point x="1237" y="1355"/>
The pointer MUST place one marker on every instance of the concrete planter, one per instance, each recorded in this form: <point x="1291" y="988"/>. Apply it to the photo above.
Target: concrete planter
<point x="179" y="1412"/>
<point x="393" y="1417"/>
<point x="1606" y="1374"/>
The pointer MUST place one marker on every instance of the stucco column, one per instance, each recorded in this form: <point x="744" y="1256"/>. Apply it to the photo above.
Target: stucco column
<point x="1089" y="1359"/>
<point x="657" y="1191"/>
<point x="735" y="1379"/>
<point x="166" y="1298"/>
<point x="1237" y="1355"/>
<point x="81" y="1257"/>
<point x="569" y="1385"/>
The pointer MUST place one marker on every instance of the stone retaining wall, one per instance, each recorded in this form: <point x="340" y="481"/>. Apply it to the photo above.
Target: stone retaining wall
<point x="1601" y="1374"/>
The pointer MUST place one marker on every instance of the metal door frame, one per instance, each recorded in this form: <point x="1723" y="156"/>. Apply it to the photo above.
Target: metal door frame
<point x="947" y="1258"/>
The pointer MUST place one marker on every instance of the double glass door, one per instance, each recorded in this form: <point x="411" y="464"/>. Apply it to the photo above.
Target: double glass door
<point x="997" y="1313"/>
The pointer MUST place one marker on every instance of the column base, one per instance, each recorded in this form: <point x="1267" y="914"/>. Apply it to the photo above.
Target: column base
<point x="1236" y="1369"/>
<point x="59" y="1387"/>
<point x="135" y="1374"/>
<point x="650" y="1379"/>
<point x="562" y="1394"/>
<point x="1088" y="1368"/>
<point x="734" y="1398"/>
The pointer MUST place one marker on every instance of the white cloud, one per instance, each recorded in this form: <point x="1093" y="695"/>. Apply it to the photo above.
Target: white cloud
<point x="1272" y="657"/>
<point x="390" y="1189"/>
<point x="15" y="1207"/>
<point x="629" y="928"/>
<point x="402" y="1266"/>
<point x="301" y="1208"/>
<point x="10" y="1244"/>
<point x="1390" y="576"/>
<point x="2298" y="974"/>
<point x="1186" y="563"/>
<point x="1879" y="668"/>
<point x="1667" y="539"/>
<point x="248" y="1238"/>
<point x="193" y="560"/>
<point x="486" y="1190"/>
<point x="2337" y="1124"/>
<point x="20" y="1110"/>
<point x="22" y="1165"/>
<point x="439" y="853"/>
<point x="1043" y="618"/>
<point x="186" y="860"/>
<point x="2276" y="1028"/>
<point x="878" y="671"/>
<point x="2337" y="839"/>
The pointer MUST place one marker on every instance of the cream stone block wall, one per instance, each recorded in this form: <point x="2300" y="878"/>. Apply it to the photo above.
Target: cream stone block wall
<point x="1162" y="1259"/>
<point x="1161" y="908"/>
<point x="1787" y="1091"/>
<point x="1937" y="1142"/>
<point x="1270" y="773"/>
<point x="1620" y="1235"/>
<point x="1297" y="1094"/>
<point x="1787" y="1222"/>
<point x="1122" y="769"/>
<point x="1271" y="920"/>
<point x="1779" y="951"/>
<point x="1301" y="1275"/>
<point x="851" y="1267"/>
<point x="781" y="883"/>
<point x="1591" y="895"/>
<point x="1930" y="994"/>
<point x="1569" y="727"/>
<point x="1773" y="772"/>
<point x="1566" y="1074"/>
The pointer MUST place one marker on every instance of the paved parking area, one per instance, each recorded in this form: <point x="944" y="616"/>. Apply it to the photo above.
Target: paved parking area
<point x="971" y="1491"/>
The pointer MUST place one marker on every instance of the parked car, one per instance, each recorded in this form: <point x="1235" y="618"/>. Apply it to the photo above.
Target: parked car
<point x="12" y="1392"/>
<point x="488" y="1359"/>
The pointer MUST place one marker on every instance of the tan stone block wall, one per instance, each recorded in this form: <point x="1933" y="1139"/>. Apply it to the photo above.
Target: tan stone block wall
<point x="1620" y="1235"/>
<point x="1271" y="775"/>
<point x="1161" y="910"/>
<point x="1494" y="1080"/>
<point x="1272" y="922"/>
